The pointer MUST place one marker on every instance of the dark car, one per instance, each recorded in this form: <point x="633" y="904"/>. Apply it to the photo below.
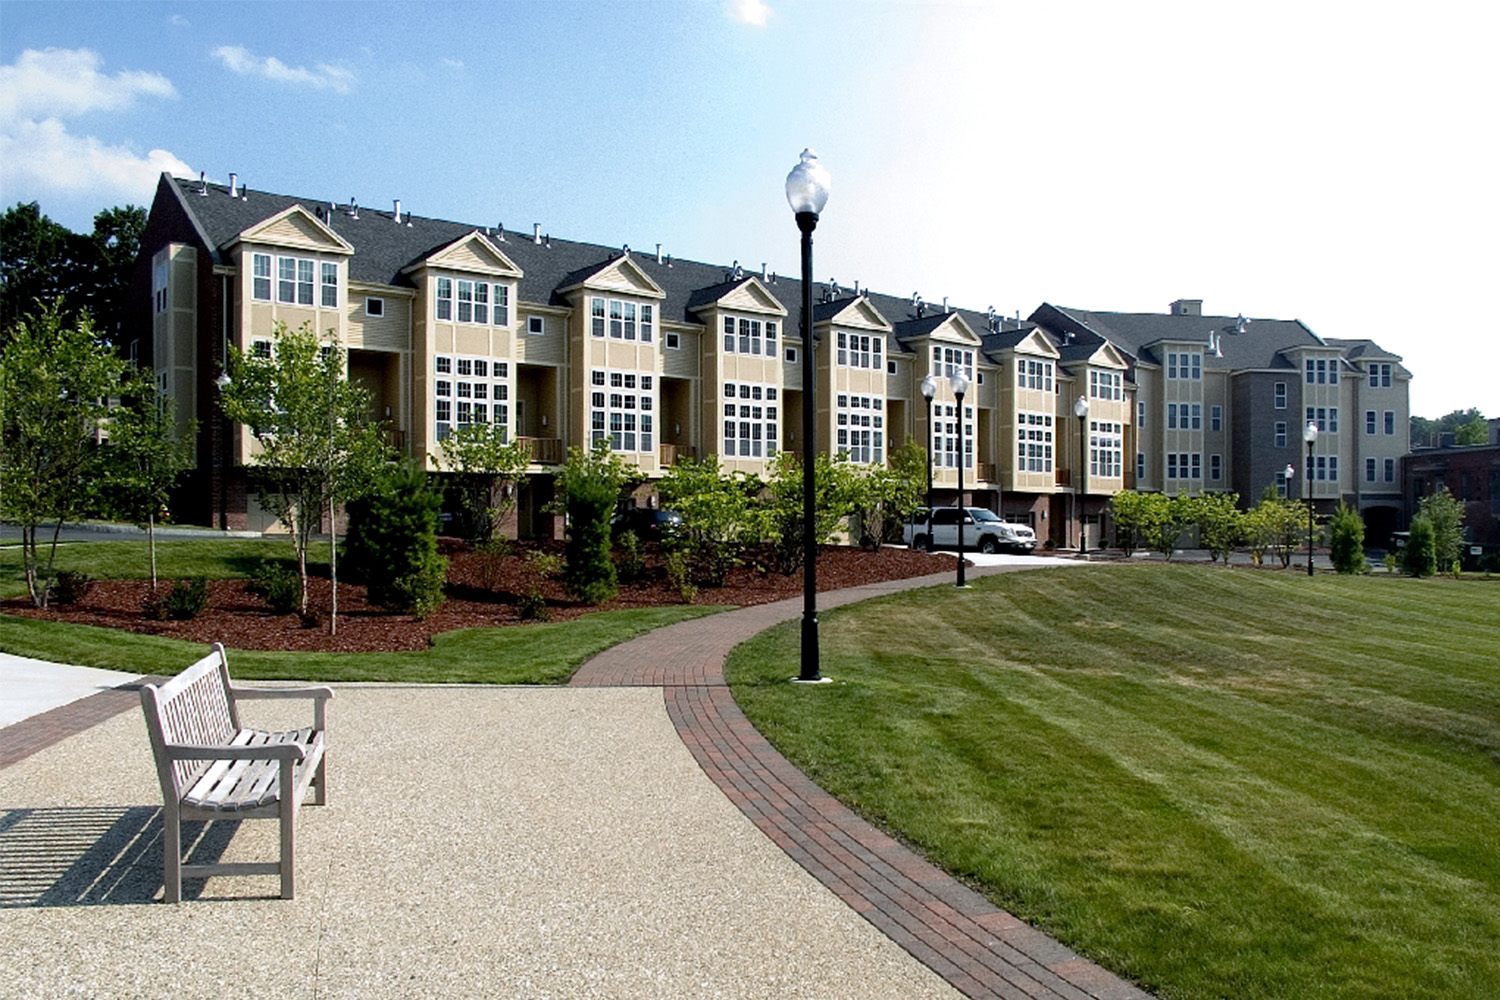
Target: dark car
<point x="648" y="522"/>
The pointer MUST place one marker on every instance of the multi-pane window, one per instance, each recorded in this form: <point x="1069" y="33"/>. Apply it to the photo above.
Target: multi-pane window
<point x="743" y="335"/>
<point x="1031" y="374"/>
<point x="1106" y="385"/>
<point x="470" y="390"/>
<point x="1185" y="416"/>
<point x="1369" y="421"/>
<point x="861" y="428"/>
<point x="1187" y="364"/>
<point x="1140" y="465"/>
<point x="1034" y="442"/>
<point x="260" y="282"/>
<point x="1390" y="470"/>
<point x="294" y="284"/>
<point x="1184" y="465"/>
<point x="751" y="420"/>
<point x="1326" y="468"/>
<point x="1106" y="446"/>
<point x="1281" y="433"/>
<point x="1216" y="467"/>
<point x="861" y="350"/>
<point x="481" y="303"/>
<point x="330" y="285"/>
<point x="1369" y="470"/>
<point x="1280" y="396"/>
<point x="596" y="316"/>
<point x="159" y="284"/>
<point x="622" y="409"/>
<point x="1282" y="483"/>
<point x="1326" y="417"/>
<point x="1321" y="371"/>
<point x="1390" y="422"/>
<point x="1140" y="414"/>
<point x="945" y="436"/>
<point x="1216" y="419"/>
<point x="1380" y="376"/>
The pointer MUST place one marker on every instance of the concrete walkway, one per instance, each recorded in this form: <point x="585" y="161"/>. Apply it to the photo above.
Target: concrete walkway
<point x="629" y="836"/>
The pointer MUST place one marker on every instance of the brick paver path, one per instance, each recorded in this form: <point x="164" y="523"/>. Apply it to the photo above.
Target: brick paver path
<point x="979" y="948"/>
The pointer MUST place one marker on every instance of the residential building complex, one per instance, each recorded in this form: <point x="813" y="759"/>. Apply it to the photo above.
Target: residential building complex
<point x="566" y="343"/>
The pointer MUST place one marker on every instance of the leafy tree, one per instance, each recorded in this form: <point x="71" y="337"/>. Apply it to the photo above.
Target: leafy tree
<point x="55" y="381"/>
<point x="1467" y="427"/>
<point x="488" y="473"/>
<point x="1419" y="558"/>
<point x="836" y="493"/>
<point x="41" y="260"/>
<point x="1274" y="524"/>
<point x="1153" y="520"/>
<point x="1131" y="511"/>
<point x="889" y="495"/>
<point x="1445" y="513"/>
<point x="1221" y="524"/>
<point x="589" y="485"/>
<point x="1346" y="543"/>
<point x="718" y="515"/>
<point x="147" y="458"/>
<point x="318" y="448"/>
<point x="391" y="543"/>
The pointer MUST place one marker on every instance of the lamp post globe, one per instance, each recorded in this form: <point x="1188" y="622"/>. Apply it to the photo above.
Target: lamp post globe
<point x="1081" y="411"/>
<point x="929" y="389"/>
<point x="1310" y="435"/>
<point x="807" y="193"/>
<point x="958" y="381"/>
<point x="1287" y="476"/>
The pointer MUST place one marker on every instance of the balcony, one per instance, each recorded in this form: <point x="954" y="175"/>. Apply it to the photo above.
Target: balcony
<point x="671" y="454"/>
<point x="1064" y="477"/>
<point x="987" y="472"/>
<point x="543" y="451"/>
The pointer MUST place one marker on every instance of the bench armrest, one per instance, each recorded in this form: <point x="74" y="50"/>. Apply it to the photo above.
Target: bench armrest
<point x="320" y="696"/>
<point x="271" y="751"/>
<point x="320" y="693"/>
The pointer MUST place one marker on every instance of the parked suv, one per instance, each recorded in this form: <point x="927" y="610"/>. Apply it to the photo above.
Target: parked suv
<point x="984" y="531"/>
<point x="648" y="522"/>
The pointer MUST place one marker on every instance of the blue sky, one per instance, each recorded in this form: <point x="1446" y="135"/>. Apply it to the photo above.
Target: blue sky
<point x="1329" y="162"/>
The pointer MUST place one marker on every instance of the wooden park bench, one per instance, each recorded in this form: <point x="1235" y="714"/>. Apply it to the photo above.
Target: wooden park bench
<point x="211" y="768"/>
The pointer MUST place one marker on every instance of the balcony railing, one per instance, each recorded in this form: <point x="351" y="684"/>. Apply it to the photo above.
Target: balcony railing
<point x="987" y="472"/>
<point x="1065" y="477"/>
<point x="671" y="454"/>
<point x="395" y="439"/>
<point x="544" y="451"/>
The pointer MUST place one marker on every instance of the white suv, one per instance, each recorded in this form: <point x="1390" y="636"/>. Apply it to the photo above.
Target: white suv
<point x="984" y="531"/>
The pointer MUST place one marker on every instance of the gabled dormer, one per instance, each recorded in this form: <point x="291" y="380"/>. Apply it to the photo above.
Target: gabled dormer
<point x="750" y="321"/>
<point x="470" y="282"/>
<point x="295" y="228"/>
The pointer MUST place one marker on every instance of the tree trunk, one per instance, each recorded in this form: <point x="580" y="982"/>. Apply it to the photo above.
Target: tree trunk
<point x="28" y="558"/>
<point x="300" y="533"/>
<point x="151" y="544"/>
<point x="333" y="569"/>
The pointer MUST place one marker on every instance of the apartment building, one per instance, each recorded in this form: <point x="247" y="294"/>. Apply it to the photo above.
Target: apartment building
<point x="1221" y="403"/>
<point x="565" y="343"/>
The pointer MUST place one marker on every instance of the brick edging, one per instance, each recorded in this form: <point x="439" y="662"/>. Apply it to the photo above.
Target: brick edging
<point x="978" y="948"/>
<point x="20" y="740"/>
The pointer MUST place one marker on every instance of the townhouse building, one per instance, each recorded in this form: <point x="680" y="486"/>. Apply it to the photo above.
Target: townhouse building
<point x="565" y="343"/>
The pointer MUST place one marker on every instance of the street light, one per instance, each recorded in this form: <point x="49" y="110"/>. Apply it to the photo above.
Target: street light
<point x="221" y="453"/>
<point x="1310" y="435"/>
<point x="1287" y="475"/>
<point x="807" y="192"/>
<point x="929" y="389"/>
<point x="959" y="383"/>
<point x="1081" y="410"/>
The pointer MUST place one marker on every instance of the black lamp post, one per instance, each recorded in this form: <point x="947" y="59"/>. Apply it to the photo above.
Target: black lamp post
<point x="1081" y="410"/>
<point x="1310" y="435"/>
<point x="807" y="192"/>
<point x="929" y="389"/>
<point x="959" y="382"/>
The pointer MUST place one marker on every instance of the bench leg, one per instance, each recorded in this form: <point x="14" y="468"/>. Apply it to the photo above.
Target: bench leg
<point x="171" y="855"/>
<point x="288" y="829"/>
<point x="320" y="782"/>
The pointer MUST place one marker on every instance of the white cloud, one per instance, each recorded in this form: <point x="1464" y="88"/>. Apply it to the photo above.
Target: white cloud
<point x="41" y="156"/>
<point x="45" y="156"/>
<point x="752" y="12"/>
<point x="67" y="82"/>
<point x="179" y="21"/>
<point x="453" y="63"/>
<point x="239" y="59"/>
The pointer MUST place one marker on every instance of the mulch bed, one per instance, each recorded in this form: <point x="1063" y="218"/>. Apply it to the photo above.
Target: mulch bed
<point x="238" y="618"/>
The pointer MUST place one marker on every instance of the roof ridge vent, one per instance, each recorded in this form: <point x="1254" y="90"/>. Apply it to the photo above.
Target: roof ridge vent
<point x="625" y="250"/>
<point x="856" y="288"/>
<point x="946" y="310"/>
<point x="353" y="208"/>
<point x="658" y="253"/>
<point x="739" y="272"/>
<point x="499" y="230"/>
<point x="1240" y="322"/>
<point x="397" y="213"/>
<point x="536" y="233"/>
<point x="234" y="187"/>
<point x="762" y="270"/>
<point x="202" y="184"/>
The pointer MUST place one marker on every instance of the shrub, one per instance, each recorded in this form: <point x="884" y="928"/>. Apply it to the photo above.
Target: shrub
<point x="1419" y="558"/>
<point x="1346" y="542"/>
<point x="679" y="578"/>
<point x="185" y="600"/>
<point x="392" y="542"/>
<point x="278" y="584"/>
<point x="1445" y="513"/>
<point x="71" y="586"/>
<point x="632" y="563"/>
<point x="589" y="486"/>
<point x="491" y="557"/>
<point x="717" y="515"/>
<point x="540" y="566"/>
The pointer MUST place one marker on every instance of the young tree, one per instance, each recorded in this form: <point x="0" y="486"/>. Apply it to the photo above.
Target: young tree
<point x="56" y="378"/>
<point x="589" y="485"/>
<point x="1130" y="511"/>
<point x="391" y="543"/>
<point x="1445" y="513"/>
<point x="1346" y="540"/>
<point x="146" y="457"/>
<point x="889" y="495"/>
<point x="717" y="514"/>
<point x="1419" y="558"/>
<point x="1221" y="524"/>
<point x="489" y="474"/>
<point x="318" y="447"/>
<point x="836" y="493"/>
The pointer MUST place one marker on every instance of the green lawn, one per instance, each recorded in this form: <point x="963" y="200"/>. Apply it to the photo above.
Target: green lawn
<point x="1218" y="783"/>
<point x="526" y="654"/>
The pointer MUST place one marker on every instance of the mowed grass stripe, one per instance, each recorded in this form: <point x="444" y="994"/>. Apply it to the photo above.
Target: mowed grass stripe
<point x="1187" y="773"/>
